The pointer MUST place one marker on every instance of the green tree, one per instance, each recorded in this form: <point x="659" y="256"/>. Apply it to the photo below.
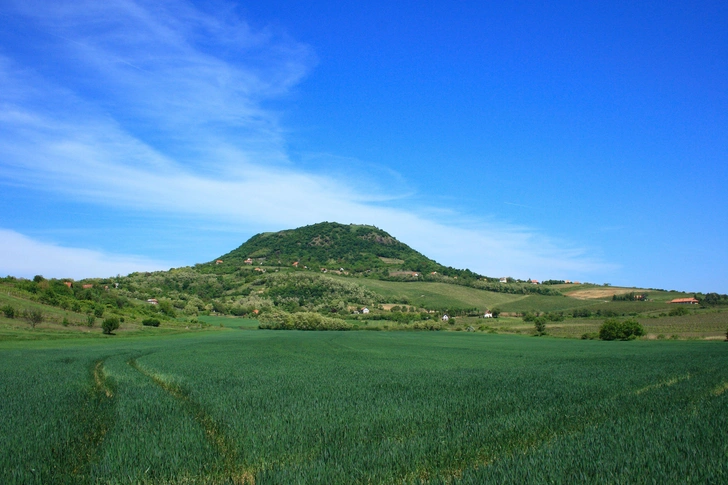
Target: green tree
<point x="540" y="324"/>
<point x="34" y="317"/>
<point x="110" y="324"/>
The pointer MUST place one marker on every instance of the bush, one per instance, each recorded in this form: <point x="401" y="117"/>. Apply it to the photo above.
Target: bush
<point x="90" y="320"/>
<point x="613" y="329"/>
<point x="678" y="311"/>
<point x="110" y="324"/>
<point x="9" y="311"/>
<point x="540" y="324"/>
<point x="150" y="322"/>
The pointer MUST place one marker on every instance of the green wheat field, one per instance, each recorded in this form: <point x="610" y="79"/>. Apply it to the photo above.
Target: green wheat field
<point x="239" y="406"/>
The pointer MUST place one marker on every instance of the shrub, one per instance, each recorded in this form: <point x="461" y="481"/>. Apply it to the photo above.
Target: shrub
<point x="678" y="311"/>
<point x="9" y="311"/>
<point x="613" y="329"/>
<point x="150" y="322"/>
<point x="99" y="311"/>
<point x="540" y="324"/>
<point x="90" y="320"/>
<point x="110" y="324"/>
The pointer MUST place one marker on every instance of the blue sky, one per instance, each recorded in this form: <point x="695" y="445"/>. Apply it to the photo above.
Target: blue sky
<point x="559" y="140"/>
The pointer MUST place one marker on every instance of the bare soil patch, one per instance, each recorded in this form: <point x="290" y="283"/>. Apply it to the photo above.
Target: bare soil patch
<point x="598" y="293"/>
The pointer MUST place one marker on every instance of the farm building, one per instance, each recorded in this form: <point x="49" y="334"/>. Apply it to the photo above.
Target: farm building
<point x="219" y="261"/>
<point x="248" y="261"/>
<point x="152" y="301"/>
<point x="685" y="301"/>
<point x="365" y="310"/>
<point x="445" y="318"/>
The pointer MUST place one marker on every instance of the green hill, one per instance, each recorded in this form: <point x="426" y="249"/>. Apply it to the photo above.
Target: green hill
<point x="335" y="270"/>
<point x="331" y="246"/>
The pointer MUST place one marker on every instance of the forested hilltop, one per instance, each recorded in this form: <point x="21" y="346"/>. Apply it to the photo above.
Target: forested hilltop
<point x="329" y="246"/>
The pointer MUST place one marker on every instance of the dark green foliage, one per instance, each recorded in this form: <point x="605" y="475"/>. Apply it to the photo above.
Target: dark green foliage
<point x="301" y="321"/>
<point x="678" y="311"/>
<point x="8" y="310"/>
<point x="150" y="322"/>
<point x="110" y="324"/>
<point x="613" y="329"/>
<point x="90" y="320"/>
<point x="99" y="311"/>
<point x="712" y="299"/>
<point x="540" y="324"/>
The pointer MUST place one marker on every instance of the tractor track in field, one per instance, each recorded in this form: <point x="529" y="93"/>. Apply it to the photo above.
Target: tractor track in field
<point x="95" y="415"/>
<point x="214" y="432"/>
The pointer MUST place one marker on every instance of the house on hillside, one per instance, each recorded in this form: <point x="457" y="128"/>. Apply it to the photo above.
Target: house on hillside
<point x="218" y="261"/>
<point x="86" y="287"/>
<point x="488" y="315"/>
<point x="153" y="301"/>
<point x="248" y="261"/>
<point x="534" y="282"/>
<point x="68" y="283"/>
<point x="503" y="280"/>
<point x="445" y="318"/>
<point x="260" y="270"/>
<point x="685" y="301"/>
<point x="295" y="264"/>
<point x="365" y="310"/>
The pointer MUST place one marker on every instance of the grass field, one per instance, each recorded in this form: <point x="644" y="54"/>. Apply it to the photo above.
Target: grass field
<point x="439" y="295"/>
<point x="362" y="407"/>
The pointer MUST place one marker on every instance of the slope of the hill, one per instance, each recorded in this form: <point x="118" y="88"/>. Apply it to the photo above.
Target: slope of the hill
<point x="331" y="246"/>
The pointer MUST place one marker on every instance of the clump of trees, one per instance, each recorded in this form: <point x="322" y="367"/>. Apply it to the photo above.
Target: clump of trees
<point x="150" y="322"/>
<point x="678" y="311"/>
<point x="277" y="320"/>
<point x="613" y="329"/>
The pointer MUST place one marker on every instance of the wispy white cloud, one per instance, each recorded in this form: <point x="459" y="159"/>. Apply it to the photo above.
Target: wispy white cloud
<point x="170" y="117"/>
<point x="24" y="257"/>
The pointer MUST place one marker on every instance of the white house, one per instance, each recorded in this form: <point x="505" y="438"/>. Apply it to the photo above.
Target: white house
<point x="365" y="310"/>
<point x="503" y="280"/>
<point x="445" y="318"/>
<point x="488" y="315"/>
